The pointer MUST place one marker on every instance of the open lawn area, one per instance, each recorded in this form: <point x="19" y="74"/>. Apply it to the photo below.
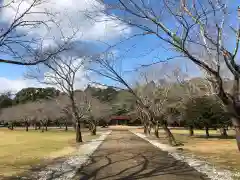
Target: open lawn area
<point x="222" y="152"/>
<point x="19" y="150"/>
<point x="216" y="150"/>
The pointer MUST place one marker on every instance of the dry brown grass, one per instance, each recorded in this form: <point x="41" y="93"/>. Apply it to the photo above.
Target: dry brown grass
<point x="19" y="150"/>
<point x="221" y="152"/>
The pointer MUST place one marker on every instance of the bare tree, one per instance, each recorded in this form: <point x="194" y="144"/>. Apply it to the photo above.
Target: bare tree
<point x="69" y="117"/>
<point x="61" y="72"/>
<point x="144" y="117"/>
<point x="105" y="65"/>
<point x="97" y="111"/>
<point x="200" y="31"/>
<point x="155" y="94"/>
<point x="19" y="21"/>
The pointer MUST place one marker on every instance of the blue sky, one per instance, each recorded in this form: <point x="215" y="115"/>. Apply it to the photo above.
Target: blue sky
<point x="141" y="50"/>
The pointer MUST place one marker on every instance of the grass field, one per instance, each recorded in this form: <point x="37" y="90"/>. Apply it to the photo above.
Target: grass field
<point x="219" y="151"/>
<point x="222" y="152"/>
<point x="19" y="150"/>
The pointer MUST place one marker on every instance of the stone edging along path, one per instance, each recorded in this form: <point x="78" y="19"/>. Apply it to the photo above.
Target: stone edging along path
<point x="68" y="169"/>
<point x="201" y="166"/>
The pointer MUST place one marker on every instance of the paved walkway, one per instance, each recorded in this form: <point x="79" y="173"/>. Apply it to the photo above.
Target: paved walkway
<point x="123" y="156"/>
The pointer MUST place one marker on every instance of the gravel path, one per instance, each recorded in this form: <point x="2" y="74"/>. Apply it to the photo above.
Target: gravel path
<point x="123" y="156"/>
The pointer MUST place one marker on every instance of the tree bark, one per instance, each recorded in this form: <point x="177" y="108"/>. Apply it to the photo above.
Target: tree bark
<point x="237" y="129"/>
<point x="149" y="129"/>
<point x="66" y="126"/>
<point x="236" y="125"/>
<point x="231" y="105"/>
<point x="46" y="126"/>
<point x="145" y="126"/>
<point x="145" y="129"/>
<point x="92" y="127"/>
<point x="171" y="139"/>
<point x="78" y="132"/>
<point x="93" y="130"/>
<point x="223" y="132"/>
<point x="35" y="126"/>
<point x="156" y="130"/>
<point x="207" y="132"/>
<point x="191" y="132"/>
<point x="77" y="118"/>
<point x="26" y="124"/>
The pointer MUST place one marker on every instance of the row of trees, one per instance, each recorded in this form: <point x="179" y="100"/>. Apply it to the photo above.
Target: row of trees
<point x="177" y="100"/>
<point x="40" y="114"/>
<point x="206" y="112"/>
<point x="199" y="32"/>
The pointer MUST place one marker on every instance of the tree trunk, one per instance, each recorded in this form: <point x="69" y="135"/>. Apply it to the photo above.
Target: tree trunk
<point x="191" y="132"/>
<point x="156" y="130"/>
<point x="35" y="126"/>
<point x="236" y="125"/>
<point x="92" y="127"/>
<point x="145" y="129"/>
<point x="66" y="126"/>
<point x="93" y="130"/>
<point x="42" y="125"/>
<point x="223" y="132"/>
<point x="145" y="126"/>
<point x="77" y="119"/>
<point x="149" y="129"/>
<point x="46" y="127"/>
<point x="237" y="129"/>
<point x="12" y="126"/>
<point x="26" y="124"/>
<point x="78" y="132"/>
<point x="171" y="139"/>
<point x="207" y="131"/>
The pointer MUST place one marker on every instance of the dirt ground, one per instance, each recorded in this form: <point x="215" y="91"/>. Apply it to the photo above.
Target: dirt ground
<point x="125" y="156"/>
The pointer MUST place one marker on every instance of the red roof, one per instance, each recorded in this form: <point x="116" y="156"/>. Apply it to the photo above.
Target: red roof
<point x="120" y="117"/>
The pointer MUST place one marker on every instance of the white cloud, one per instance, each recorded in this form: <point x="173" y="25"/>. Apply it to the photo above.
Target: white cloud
<point x="15" y="85"/>
<point x="69" y="14"/>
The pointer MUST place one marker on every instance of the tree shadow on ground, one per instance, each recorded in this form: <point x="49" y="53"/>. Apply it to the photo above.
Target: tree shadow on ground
<point x="32" y="172"/>
<point x="133" y="159"/>
<point x="135" y="163"/>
